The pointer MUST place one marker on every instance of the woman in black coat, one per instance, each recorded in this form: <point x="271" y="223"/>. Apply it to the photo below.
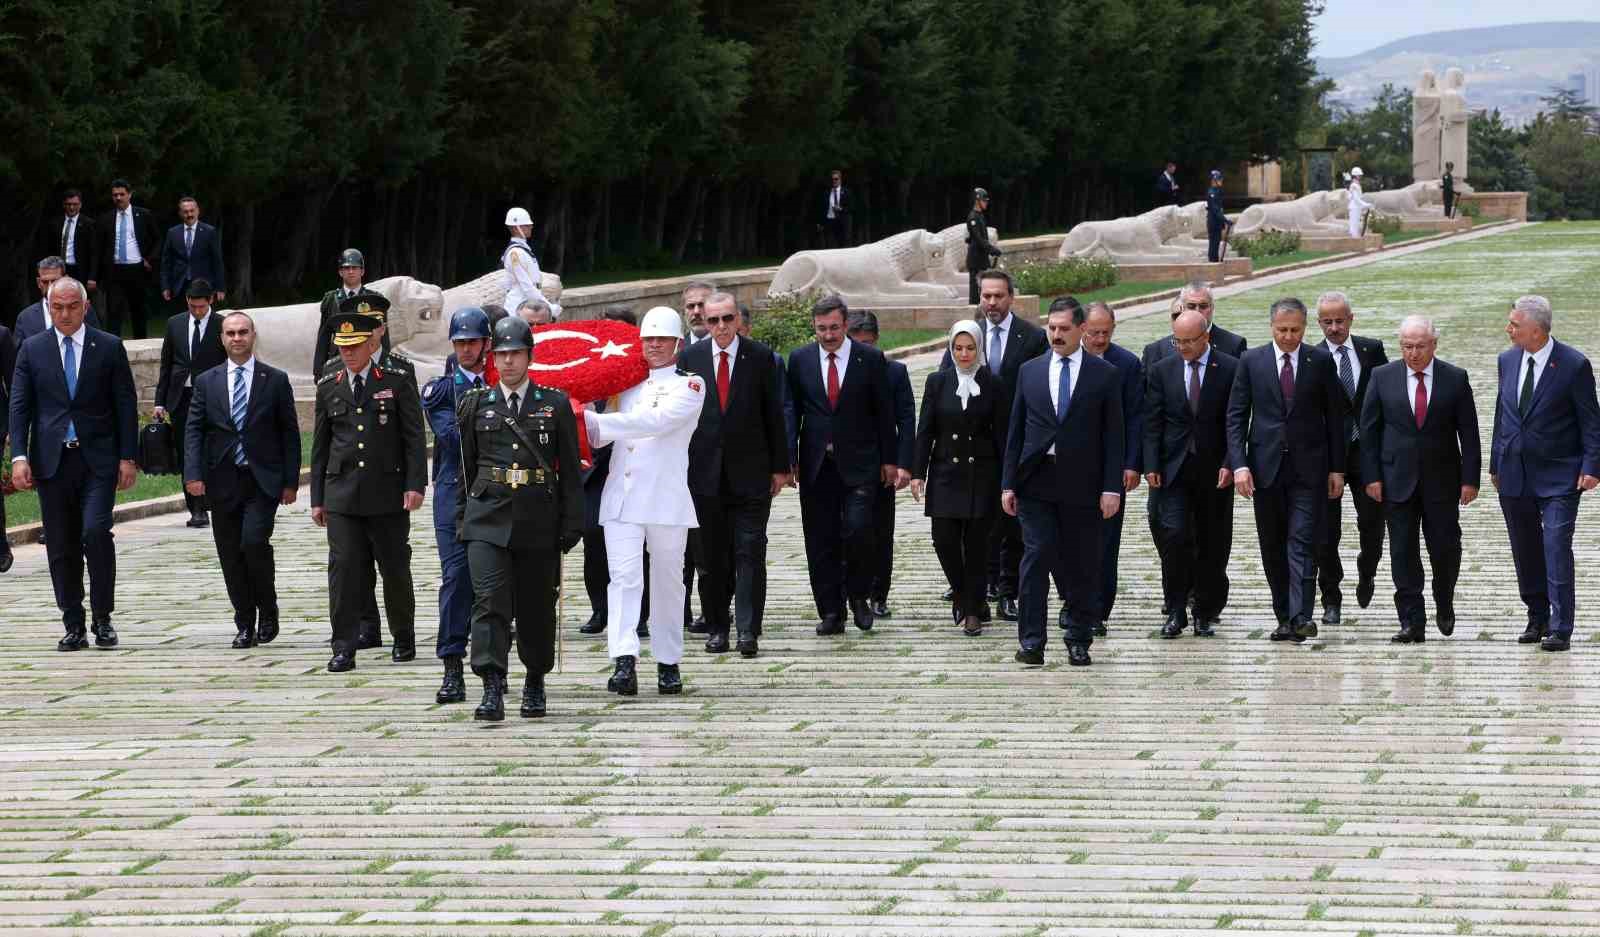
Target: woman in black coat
<point x="961" y="437"/>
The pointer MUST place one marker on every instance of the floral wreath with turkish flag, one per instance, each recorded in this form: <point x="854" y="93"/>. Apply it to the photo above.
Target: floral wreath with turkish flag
<point x="587" y="359"/>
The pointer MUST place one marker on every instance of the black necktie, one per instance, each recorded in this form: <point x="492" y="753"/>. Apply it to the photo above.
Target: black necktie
<point x="194" y="343"/>
<point x="1525" y="400"/>
<point x="359" y="385"/>
<point x="516" y="405"/>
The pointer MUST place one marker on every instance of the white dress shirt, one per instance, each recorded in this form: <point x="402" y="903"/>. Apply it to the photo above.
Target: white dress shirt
<point x="189" y="342"/>
<point x="233" y="380"/>
<point x="1411" y="386"/>
<point x="841" y="361"/>
<point x="833" y="201"/>
<point x="733" y="357"/>
<point x="1355" y="360"/>
<point x="130" y="240"/>
<point x="1055" y="381"/>
<point x="1541" y="360"/>
<point x="1294" y="360"/>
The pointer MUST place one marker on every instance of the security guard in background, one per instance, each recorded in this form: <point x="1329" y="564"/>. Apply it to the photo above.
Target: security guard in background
<point x="1448" y="181"/>
<point x="368" y="469"/>
<point x="464" y="371"/>
<point x="980" y="251"/>
<point x="352" y="267"/>
<point x="1216" y="218"/>
<point x="520" y="500"/>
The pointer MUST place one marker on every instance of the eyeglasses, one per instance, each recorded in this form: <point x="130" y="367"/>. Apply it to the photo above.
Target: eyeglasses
<point x="713" y="320"/>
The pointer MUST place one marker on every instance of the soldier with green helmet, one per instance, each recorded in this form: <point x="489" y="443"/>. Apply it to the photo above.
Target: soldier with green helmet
<point x="519" y="503"/>
<point x="352" y="267"/>
<point x="981" y="252"/>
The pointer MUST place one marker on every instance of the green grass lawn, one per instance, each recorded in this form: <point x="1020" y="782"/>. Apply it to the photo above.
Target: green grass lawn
<point x="1280" y="260"/>
<point x="899" y="338"/>
<point x="23" y="507"/>
<point x="1400" y="237"/>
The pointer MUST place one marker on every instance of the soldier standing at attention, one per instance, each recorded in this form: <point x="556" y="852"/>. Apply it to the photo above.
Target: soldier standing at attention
<point x="1216" y="218"/>
<point x="352" y="267"/>
<point x="980" y="252"/>
<point x="521" y="267"/>
<point x="520" y="500"/>
<point x="368" y="469"/>
<point x="464" y="372"/>
<point x="1448" y="180"/>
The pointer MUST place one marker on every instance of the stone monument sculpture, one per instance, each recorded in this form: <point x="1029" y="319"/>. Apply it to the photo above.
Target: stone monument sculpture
<point x="1453" y="118"/>
<point x="1315" y="213"/>
<point x="1426" y="128"/>
<point x="1164" y="235"/>
<point x="915" y="266"/>
<point x="1419" y="201"/>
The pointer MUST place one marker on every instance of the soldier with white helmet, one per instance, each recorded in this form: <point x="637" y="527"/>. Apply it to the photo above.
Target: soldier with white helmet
<point x="1358" y="205"/>
<point x="646" y="503"/>
<point x="522" y="268"/>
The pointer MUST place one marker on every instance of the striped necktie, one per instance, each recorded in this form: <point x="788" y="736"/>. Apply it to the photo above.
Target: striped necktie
<point x="236" y="410"/>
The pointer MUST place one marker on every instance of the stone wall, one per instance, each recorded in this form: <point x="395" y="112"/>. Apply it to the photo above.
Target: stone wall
<point x="1513" y="205"/>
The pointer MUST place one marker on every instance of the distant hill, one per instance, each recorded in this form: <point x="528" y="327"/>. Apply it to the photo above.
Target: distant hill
<point x="1508" y="67"/>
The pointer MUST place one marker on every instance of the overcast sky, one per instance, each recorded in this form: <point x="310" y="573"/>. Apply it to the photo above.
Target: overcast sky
<point x="1350" y="27"/>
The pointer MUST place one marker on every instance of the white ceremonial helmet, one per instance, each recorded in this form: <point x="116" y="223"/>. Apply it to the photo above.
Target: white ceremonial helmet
<point x="1356" y="172"/>
<point x="661" y="322"/>
<point x="518" y="216"/>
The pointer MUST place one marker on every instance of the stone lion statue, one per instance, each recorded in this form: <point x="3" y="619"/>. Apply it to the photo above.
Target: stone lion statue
<point x="1315" y="213"/>
<point x="912" y="266"/>
<point x="429" y="347"/>
<point x="1419" y="201"/>
<point x="1141" y="239"/>
<point x="285" y="334"/>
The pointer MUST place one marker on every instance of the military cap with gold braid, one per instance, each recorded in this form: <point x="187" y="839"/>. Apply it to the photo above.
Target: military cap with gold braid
<point x="358" y="317"/>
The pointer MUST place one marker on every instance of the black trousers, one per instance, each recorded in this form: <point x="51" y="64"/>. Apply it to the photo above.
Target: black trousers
<point x="836" y="231"/>
<point x="837" y="519"/>
<point x="962" y="545"/>
<point x="733" y="560"/>
<point x="691" y="567"/>
<point x="75" y="508"/>
<point x="1449" y="204"/>
<point x="355" y="541"/>
<point x="242" y="518"/>
<point x="972" y="283"/>
<point x="1061" y="541"/>
<point x="1369" y="525"/>
<point x="1005" y="553"/>
<point x="1110" y="553"/>
<point x="180" y="419"/>
<point x="1288" y="515"/>
<point x="1193" y="522"/>
<point x="126" y="290"/>
<point x="1213" y="244"/>
<point x="512" y="583"/>
<point x="883" y="537"/>
<point x="1439" y="523"/>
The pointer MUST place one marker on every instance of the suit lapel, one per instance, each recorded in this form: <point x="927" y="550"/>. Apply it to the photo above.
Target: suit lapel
<point x="1302" y="355"/>
<point x="1210" y="389"/>
<point x="258" y="387"/>
<point x="1546" y="376"/>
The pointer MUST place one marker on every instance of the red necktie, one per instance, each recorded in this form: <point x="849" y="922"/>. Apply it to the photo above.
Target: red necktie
<point x="722" y="380"/>
<point x="1422" y="400"/>
<point x="1286" y="381"/>
<point x="833" y="382"/>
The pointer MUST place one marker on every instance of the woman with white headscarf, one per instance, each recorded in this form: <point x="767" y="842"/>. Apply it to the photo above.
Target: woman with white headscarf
<point x="961" y="437"/>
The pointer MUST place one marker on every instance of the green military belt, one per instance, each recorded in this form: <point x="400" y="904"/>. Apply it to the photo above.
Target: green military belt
<point x="514" y="476"/>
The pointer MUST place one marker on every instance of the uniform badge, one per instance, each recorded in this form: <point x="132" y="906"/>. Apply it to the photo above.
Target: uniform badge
<point x="694" y="386"/>
<point x="383" y="418"/>
<point x="544" y="439"/>
<point x="488" y="414"/>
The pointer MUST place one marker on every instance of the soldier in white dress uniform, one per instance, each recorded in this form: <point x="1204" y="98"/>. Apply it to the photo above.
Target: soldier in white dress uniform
<point x="1358" y="205"/>
<point x="521" y="267"/>
<point x="646" y="503"/>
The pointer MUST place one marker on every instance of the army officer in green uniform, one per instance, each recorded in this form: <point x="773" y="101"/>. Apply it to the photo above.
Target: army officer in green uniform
<point x="520" y="500"/>
<point x="368" y="470"/>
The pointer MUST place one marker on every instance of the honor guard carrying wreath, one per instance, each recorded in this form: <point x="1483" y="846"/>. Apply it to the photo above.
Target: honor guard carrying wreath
<point x="519" y="502"/>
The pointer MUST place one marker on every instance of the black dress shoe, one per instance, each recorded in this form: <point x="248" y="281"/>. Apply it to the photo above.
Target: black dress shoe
<point x="454" y="687"/>
<point x="1100" y="629"/>
<point x="1078" y="655"/>
<point x="971" y="626"/>
<point x="73" y="641"/>
<point x="698" y="626"/>
<point x="748" y="648"/>
<point x="1283" y="633"/>
<point x="880" y="608"/>
<point x="1306" y="628"/>
<point x="595" y="625"/>
<point x="643" y="630"/>
<point x="403" y="653"/>
<point x="991" y="591"/>
<point x="1554" y="642"/>
<point x="342" y="663"/>
<point x="493" y="706"/>
<point x="861" y="611"/>
<point x="245" y="638"/>
<point x="533" y="697"/>
<point x="1364" y="590"/>
<point x="368" y="641"/>
<point x="1447" y="621"/>
<point x="105" y="636"/>
<point x="1174" y="626"/>
<point x="266" y="631"/>
<point x="1205" y="627"/>
<point x="1330" y="615"/>
<point x="1409" y="636"/>
<point x="1008" y="608"/>
<point x="717" y="644"/>
<point x="6" y="559"/>
<point x="625" y="679"/>
<point x="985" y="614"/>
<point x="1533" y="635"/>
<point x="830" y="624"/>
<point x="949" y="594"/>
<point x="197" y="520"/>
<point x="668" y="681"/>
<point x="1033" y="658"/>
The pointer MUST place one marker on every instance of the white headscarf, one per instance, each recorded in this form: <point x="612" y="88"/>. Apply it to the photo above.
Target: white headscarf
<point x="966" y="381"/>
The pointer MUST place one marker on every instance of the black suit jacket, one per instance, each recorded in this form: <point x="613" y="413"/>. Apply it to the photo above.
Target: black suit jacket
<point x="32" y="320"/>
<point x="1166" y="189"/>
<point x="271" y="431"/>
<point x="905" y="413"/>
<point x="85" y="244"/>
<point x="1089" y="444"/>
<point x="747" y="445"/>
<point x="1222" y="340"/>
<point x="176" y="363"/>
<point x="861" y="430"/>
<point x="1132" y="372"/>
<point x="1024" y="342"/>
<point x="203" y="260"/>
<point x="958" y="452"/>
<point x="8" y="362"/>
<point x="144" y="232"/>
<point x="1264" y="431"/>
<point x="1369" y="351"/>
<point x="1435" y="460"/>
<point x="1170" y="425"/>
<point x="827" y="198"/>
<point x="104" y="411"/>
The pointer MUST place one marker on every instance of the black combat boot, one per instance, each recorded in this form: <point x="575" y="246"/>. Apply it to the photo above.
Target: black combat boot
<point x="454" y="687"/>
<point x="625" y="681"/>
<point x="533" y="696"/>
<point x="493" y="707"/>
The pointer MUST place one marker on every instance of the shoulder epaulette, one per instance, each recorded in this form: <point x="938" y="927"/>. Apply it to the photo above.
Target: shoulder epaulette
<point x="682" y="372"/>
<point x="397" y="361"/>
<point x="333" y="365"/>
<point x="327" y="376"/>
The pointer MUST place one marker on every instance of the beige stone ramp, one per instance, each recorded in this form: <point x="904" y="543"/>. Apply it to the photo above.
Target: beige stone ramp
<point x="903" y="782"/>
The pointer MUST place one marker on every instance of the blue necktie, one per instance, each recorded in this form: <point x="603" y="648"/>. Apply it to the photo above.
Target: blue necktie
<point x="122" y="241"/>
<point x="1064" y="391"/>
<point x="70" y="365"/>
<point x="236" y="410"/>
<point x="995" y="354"/>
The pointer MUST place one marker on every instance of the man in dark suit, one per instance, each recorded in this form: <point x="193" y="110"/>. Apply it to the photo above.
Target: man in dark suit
<point x="352" y="267"/>
<point x="74" y="416"/>
<point x="191" y="251"/>
<point x="191" y="346"/>
<point x="1099" y="324"/>
<point x="8" y="365"/>
<point x="129" y="251"/>
<point x="1167" y="186"/>
<point x="843" y="449"/>
<point x="1354" y="358"/>
<point x="1008" y="342"/>
<point x="36" y="318"/>
<point x="72" y="235"/>
<point x="1286" y="445"/>
<point x="1062" y="478"/>
<point x="241" y="453"/>
<point x="1545" y="453"/>
<point x="834" y="219"/>
<point x="1419" y="446"/>
<point x="863" y="328"/>
<point x="738" y="462"/>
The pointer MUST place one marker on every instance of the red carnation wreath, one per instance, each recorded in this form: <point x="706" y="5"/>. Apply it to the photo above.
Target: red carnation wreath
<point x="589" y="359"/>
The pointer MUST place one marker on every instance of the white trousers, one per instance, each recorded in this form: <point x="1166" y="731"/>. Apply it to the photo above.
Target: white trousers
<point x="1355" y="222"/>
<point x="625" y="546"/>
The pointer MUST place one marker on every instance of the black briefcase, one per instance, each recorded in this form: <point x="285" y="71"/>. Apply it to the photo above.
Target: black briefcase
<point x="158" y="454"/>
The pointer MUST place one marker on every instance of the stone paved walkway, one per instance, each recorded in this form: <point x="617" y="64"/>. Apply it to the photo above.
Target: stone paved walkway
<point x="908" y="781"/>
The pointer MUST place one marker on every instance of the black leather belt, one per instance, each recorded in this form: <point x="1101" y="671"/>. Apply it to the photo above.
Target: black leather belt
<point x="71" y="444"/>
<point x="514" y="477"/>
